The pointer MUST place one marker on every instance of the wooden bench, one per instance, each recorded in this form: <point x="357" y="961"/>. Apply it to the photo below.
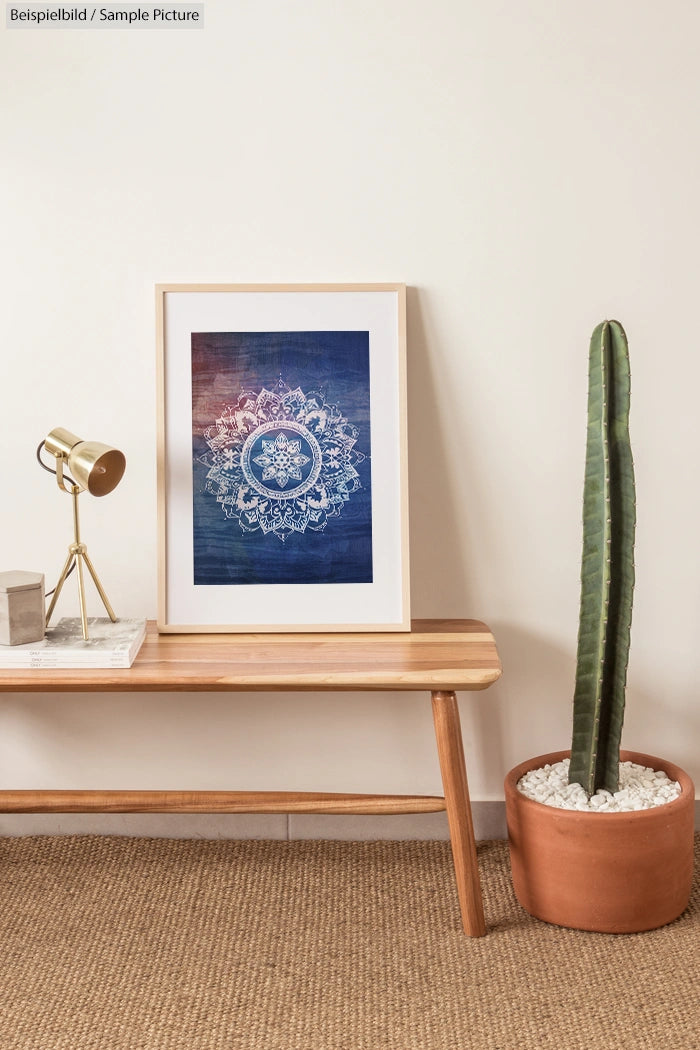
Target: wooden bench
<point x="440" y="656"/>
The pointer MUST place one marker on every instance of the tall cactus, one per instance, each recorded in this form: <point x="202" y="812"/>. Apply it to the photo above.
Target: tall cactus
<point x="607" y="569"/>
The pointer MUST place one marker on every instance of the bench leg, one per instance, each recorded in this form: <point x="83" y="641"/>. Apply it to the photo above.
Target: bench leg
<point x="459" y="815"/>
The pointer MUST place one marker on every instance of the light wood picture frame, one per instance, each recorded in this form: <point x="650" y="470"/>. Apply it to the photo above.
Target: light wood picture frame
<point x="282" y="458"/>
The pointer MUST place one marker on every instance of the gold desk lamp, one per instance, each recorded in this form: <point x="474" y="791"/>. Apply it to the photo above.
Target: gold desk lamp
<point x="81" y="465"/>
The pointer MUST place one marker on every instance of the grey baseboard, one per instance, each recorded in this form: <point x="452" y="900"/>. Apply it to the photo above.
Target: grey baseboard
<point x="489" y="823"/>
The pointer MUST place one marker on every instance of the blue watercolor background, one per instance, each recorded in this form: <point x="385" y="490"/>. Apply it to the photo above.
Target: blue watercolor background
<point x="336" y="365"/>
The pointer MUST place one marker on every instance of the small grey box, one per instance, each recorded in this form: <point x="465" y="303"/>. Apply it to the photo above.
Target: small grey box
<point x="22" y="616"/>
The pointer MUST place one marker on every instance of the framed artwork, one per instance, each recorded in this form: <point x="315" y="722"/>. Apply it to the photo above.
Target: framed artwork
<point x="282" y="474"/>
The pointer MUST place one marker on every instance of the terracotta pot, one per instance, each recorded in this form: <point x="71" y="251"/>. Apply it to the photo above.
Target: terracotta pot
<point x="609" y="872"/>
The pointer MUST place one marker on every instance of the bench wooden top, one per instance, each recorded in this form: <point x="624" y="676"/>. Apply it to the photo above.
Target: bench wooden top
<point x="433" y="655"/>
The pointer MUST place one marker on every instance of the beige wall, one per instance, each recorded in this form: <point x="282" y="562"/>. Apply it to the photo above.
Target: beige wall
<point x="527" y="169"/>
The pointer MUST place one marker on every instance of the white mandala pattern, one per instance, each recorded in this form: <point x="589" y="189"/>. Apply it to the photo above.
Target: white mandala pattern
<point x="281" y="462"/>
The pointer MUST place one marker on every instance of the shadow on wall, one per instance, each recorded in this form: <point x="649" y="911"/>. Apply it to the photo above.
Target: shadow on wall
<point x="535" y="693"/>
<point x="657" y="722"/>
<point x="535" y="701"/>
<point x="442" y="567"/>
<point x="458" y="570"/>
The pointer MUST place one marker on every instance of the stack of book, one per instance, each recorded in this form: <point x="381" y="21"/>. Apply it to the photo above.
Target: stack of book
<point x="109" y="645"/>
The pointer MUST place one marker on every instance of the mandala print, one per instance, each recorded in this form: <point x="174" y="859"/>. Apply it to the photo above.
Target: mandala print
<point x="282" y="462"/>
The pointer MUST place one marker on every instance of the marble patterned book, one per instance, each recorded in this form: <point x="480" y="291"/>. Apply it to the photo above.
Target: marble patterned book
<point x="109" y="645"/>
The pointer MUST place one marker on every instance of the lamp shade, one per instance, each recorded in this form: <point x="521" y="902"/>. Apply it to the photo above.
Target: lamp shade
<point x="93" y="466"/>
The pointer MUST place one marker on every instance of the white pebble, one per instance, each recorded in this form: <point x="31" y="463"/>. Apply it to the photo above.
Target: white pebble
<point x="640" y="788"/>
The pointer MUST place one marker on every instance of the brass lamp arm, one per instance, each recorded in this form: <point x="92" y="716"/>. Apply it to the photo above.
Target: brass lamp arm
<point x="61" y="478"/>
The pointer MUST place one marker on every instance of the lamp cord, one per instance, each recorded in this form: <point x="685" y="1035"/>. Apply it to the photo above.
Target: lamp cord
<point x="50" y="471"/>
<point x="48" y="594"/>
<point x="40" y="460"/>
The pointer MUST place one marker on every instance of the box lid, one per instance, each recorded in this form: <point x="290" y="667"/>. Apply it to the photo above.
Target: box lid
<point x="20" y="581"/>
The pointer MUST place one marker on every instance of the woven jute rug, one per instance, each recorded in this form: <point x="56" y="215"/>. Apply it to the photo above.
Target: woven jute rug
<point x="152" y="944"/>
